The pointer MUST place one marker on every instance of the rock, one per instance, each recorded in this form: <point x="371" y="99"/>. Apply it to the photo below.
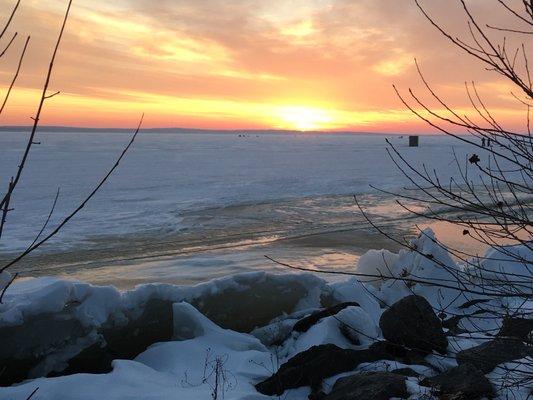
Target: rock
<point x="83" y="328"/>
<point x="73" y="348"/>
<point x="452" y="324"/>
<point x="306" y="323"/>
<point x="320" y="395"/>
<point x="310" y="367"/>
<point x="488" y="355"/>
<point x="93" y="359"/>
<point x="253" y="305"/>
<point x="412" y="322"/>
<point x="464" y="382"/>
<point x="24" y="348"/>
<point x="155" y="324"/>
<point x="519" y="328"/>
<point x="369" y="385"/>
<point x="407" y="372"/>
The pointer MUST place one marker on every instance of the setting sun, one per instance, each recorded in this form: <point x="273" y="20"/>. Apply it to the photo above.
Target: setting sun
<point x="310" y="69"/>
<point x="304" y="118"/>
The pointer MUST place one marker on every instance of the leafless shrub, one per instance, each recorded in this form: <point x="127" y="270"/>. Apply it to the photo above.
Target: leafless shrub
<point x="6" y="199"/>
<point x="215" y="375"/>
<point x="491" y="201"/>
<point x="7" y="41"/>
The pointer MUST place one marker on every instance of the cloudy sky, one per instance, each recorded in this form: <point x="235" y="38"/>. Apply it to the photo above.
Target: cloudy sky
<point x="297" y="64"/>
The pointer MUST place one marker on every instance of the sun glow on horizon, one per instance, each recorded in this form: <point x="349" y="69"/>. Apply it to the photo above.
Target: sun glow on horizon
<point x="303" y="118"/>
<point x="301" y="65"/>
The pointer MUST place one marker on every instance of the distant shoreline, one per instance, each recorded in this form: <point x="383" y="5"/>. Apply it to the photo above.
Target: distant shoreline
<point x="69" y="129"/>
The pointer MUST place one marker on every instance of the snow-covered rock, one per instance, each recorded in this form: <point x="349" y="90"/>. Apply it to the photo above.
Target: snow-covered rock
<point x="81" y="324"/>
<point x="178" y="339"/>
<point x="184" y="369"/>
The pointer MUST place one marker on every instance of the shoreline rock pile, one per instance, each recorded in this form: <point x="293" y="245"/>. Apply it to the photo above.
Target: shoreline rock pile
<point x="412" y="331"/>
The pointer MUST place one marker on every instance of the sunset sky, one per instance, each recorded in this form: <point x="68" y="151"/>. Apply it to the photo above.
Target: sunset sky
<point x="237" y="64"/>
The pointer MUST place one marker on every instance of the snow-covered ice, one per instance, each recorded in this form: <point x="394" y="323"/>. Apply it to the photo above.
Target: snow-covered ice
<point x="165" y="177"/>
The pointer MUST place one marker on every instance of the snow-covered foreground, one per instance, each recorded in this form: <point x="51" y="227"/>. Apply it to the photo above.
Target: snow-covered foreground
<point x="262" y="310"/>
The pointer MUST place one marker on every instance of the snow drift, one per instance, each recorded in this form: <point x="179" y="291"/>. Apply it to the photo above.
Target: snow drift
<point x="168" y="342"/>
<point x="52" y="326"/>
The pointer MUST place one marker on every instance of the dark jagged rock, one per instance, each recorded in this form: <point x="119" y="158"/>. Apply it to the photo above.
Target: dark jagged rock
<point x="320" y="395"/>
<point x="464" y="382"/>
<point x="255" y="306"/>
<point x="16" y="370"/>
<point x="412" y="322"/>
<point x="488" y="355"/>
<point x="369" y="385"/>
<point x="407" y="372"/>
<point x="306" y="323"/>
<point x="59" y="343"/>
<point x="154" y="325"/>
<point x="452" y="324"/>
<point x="519" y="328"/>
<point x="310" y="367"/>
<point x="95" y="359"/>
<point x="24" y="348"/>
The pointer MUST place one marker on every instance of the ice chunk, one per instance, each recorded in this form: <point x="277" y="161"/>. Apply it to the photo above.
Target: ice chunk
<point x="375" y="263"/>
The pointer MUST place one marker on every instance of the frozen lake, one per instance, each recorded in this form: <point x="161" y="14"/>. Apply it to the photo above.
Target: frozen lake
<point x="176" y="198"/>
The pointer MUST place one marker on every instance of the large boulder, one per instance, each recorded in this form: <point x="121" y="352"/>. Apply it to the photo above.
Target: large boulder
<point x="518" y="328"/>
<point x="155" y="324"/>
<point x="464" y="382"/>
<point x="58" y="344"/>
<point x="411" y="322"/>
<point x="310" y="367"/>
<point x="24" y="348"/>
<point x="369" y="385"/>
<point x="490" y="354"/>
<point x="53" y="327"/>
<point x="253" y="300"/>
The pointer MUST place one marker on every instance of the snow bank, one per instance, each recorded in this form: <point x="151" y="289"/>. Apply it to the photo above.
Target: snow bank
<point x="375" y="263"/>
<point x="90" y="305"/>
<point x="200" y="333"/>
<point x="78" y="320"/>
<point x="183" y="369"/>
<point x="93" y="305"/>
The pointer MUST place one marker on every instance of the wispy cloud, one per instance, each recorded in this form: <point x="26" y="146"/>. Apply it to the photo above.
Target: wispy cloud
<point x="337" y="55"/>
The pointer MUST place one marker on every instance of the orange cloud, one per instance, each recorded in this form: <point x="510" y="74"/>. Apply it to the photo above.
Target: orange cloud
<point x="304" y="64"/>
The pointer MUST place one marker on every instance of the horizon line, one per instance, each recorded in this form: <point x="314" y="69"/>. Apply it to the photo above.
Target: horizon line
<point x="66" y="128"/>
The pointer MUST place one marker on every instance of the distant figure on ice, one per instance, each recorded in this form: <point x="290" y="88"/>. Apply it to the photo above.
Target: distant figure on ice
<point x="488" y="142"/>
<point x="482" y="142"/>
